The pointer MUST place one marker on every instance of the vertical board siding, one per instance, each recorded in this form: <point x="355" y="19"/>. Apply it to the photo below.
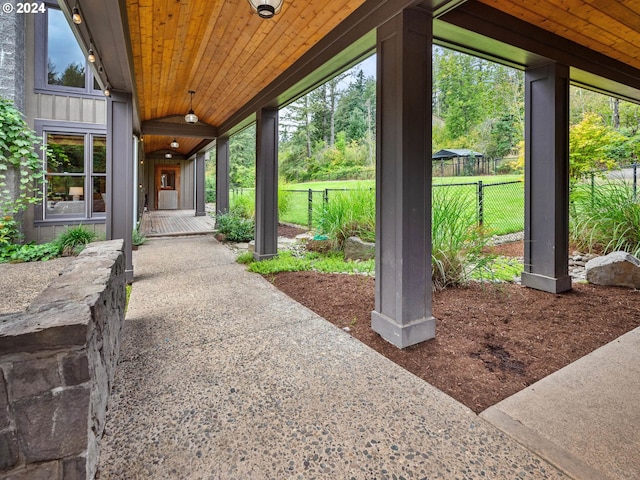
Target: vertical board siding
<point x="71" y="109"/>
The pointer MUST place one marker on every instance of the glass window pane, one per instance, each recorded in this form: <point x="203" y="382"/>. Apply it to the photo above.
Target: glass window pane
<point x="65" y="195"/>
<point x="65" y="61"/>
<point x="65" y="153"/>
<point x="99" y="194"/>
<point x="99" y="154"/>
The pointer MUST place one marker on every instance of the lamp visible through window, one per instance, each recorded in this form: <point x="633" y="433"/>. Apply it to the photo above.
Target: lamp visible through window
<point x="76" y="193"/>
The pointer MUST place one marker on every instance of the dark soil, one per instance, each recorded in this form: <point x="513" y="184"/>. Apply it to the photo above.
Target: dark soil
<point x="491" y="340"/>
<point x="289" y="231"/>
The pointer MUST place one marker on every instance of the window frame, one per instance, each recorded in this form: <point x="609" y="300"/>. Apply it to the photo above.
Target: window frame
<point x="41" y="62"/>
<point x="88" y="132"/>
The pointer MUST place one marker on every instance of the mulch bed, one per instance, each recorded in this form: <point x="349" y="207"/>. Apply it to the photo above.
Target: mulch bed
<point x="491" y="340"/>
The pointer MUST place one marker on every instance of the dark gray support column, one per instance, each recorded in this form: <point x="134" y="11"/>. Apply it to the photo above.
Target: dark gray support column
<point x="266" y="184"/>
<point x="120" y="165"/>
<point x="222" y="175"/>
<point x="546" y="189"/>
<point x="200" y="185"/>
<point x="403" y="181"/>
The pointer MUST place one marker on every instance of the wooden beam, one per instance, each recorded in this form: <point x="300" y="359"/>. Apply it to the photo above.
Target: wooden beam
<point x="166" y="129"/>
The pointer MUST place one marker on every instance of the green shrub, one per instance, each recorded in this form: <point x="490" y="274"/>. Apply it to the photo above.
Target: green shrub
<point x="235" y="227"/>
<point x="284" y="199"/>
<point x="137" y="238"/>
<point x="9" y="231"/>
<point x="457" y="242"/>
<point x="210" y="188"/>
<point x="73" y="240"/>
<point x="349" y="214"/>
<point x="243" y="205"/>
<point x="30" y="252"/>
<point x="605" y="218"/>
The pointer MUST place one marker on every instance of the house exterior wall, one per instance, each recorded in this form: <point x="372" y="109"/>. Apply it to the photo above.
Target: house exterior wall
<point x="57" y="107"/>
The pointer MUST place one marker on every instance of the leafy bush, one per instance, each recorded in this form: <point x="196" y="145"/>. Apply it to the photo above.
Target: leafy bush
<point x="9" y="231"/>
<point x="235" y="227"/>
<point x="349" y="214"/>
<point x="73" y="240"/>
<point x="137" y="238"/>
<point x="210" y="188"/>
<point x="457" y="242"/>
<point x="606" y="218"/>
<point x="29" y="252"/>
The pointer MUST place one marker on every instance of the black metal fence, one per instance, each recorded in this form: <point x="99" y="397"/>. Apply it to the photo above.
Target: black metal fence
<point x="498" y="206"/>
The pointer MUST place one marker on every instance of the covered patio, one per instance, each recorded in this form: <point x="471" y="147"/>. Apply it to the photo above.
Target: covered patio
<point x="242" y="69"/>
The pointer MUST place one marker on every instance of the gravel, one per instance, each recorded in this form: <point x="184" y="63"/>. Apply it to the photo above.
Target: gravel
<point x="20" y="283"/>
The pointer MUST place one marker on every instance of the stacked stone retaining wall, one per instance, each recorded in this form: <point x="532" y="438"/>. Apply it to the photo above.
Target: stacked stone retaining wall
<point x="57" y="364"/>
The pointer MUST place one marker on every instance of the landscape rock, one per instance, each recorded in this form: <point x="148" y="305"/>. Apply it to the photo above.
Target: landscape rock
<point x="616" y="269"/>
<point x="357" y="249"/>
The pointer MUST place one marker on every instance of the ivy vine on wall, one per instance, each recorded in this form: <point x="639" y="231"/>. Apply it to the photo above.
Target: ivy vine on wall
<point x="18" y="157"/>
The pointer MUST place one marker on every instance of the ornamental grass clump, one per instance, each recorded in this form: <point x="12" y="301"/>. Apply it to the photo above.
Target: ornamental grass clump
<point x="73" y="240"/>
<point x="349" y="214"/>
<point x="606" y="218"/>
<point x="457" y="243"/>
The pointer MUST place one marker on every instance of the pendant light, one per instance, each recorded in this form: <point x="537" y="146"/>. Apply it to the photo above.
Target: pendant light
<point x="75" y="15"/>
<point x="266" y="8"/>
<point x="191" y="117"/>
<point x="174" y="144"/>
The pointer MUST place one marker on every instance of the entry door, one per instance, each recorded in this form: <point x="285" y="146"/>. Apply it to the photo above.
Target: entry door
<point x="167" y="187"/>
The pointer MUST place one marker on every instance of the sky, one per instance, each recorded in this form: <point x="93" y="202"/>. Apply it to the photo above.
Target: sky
<point x="63" y="46"/>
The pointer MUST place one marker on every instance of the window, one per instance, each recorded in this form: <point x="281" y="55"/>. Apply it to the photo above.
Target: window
<point x="76" y="172"/>
<point x="60" y="63"/>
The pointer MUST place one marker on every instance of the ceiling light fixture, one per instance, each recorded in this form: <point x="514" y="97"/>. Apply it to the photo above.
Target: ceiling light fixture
<point x="91" y="57"/>
<point x="75" y="15"/>
<point x="107" y="90"/>
<point x="191" y="117"/>
<point x="174" y="144"/>
<point x="168" y="155"/>
<point x="266" y="8"/>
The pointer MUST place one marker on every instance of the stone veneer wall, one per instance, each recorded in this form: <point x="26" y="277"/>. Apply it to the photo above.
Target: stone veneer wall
<point x="57" y="364"/>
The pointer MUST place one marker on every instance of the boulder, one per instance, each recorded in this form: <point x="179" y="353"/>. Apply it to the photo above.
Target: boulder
<point x="616" y="269"/>
<point x="356" y="249"/>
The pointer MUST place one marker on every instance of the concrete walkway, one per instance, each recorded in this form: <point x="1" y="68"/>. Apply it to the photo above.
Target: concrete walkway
<point x="222" y="376"/>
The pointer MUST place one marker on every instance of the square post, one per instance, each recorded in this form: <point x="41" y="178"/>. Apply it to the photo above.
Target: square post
<point x="200" y="185"/>
<point x="266" y="184"/>
<point x="402" y="312"/>
<point x="222" y="175"/>
<point x="546" y="230"/>
<point x="120" y="182"/>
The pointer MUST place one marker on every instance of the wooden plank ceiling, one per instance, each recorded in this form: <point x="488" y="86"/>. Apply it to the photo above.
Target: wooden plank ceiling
<point x="228" y="55"/>
<point x="609" y="27"/>
<point x="219" y="49"/>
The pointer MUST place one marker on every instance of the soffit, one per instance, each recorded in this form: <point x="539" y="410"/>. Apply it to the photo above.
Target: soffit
<point x="220" y="50"/>
<point x="611" y="28"/>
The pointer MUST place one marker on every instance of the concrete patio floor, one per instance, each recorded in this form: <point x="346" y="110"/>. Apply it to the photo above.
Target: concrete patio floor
<point x="222" y="376"/>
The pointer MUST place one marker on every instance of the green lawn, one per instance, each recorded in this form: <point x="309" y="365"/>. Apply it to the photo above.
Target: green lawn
<point x="503" y="204"/>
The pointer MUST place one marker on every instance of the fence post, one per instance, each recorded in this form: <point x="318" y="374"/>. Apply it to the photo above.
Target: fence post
<point x="310" y="209"/>
<point x="480" y="197"/>
<point x="326" y="196"/>
<point x="635" y="180"/>
<point x="593" y="188"/>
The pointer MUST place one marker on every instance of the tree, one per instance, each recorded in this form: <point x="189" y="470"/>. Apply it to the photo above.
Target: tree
<point x="242" y="153"/>
<point x="591" y="142"/>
